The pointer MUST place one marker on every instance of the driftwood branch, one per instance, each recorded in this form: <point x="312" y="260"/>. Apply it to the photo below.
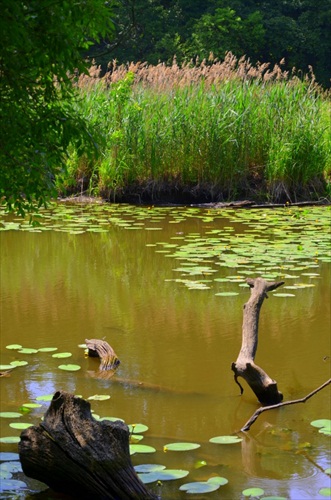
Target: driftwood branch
<point x="258" y="412"/>
<point x="264" y="387"/>
<point x="101" y="349"/>
<point x="75" y="454"/>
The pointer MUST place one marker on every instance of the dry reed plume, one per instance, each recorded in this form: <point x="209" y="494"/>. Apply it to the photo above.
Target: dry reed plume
<point x="211" y="72"/>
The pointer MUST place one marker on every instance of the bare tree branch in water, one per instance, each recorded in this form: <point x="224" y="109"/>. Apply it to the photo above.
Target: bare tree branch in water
<point x="258" y="412"/>
<point x="263" y="386"/>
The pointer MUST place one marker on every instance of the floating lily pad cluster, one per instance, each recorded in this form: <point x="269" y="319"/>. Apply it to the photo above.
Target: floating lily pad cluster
<point x="277" y="244"/>
<point x="285" y="243"/>
<point x="28" y="350"/>
<point x="9" y="467"/>
<point x="148" y="473"/>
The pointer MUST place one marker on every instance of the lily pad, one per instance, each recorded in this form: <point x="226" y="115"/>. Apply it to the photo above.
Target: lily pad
<point x="6" y="367"/>
<point x="162" y="475"/>
<point x="99" y="397"/>
<point x="148" y="477"/>
<point x="10" y="439"/>
<point x="31" y="405"/>
<point x="47" y="349"/>
<point x="19" y="363"/>
<point x="10" y="414"/>
<point x="253" y="492"/>
<point x="325" y="430"/>
<point x="11" y="485"/>
<point x="212" y="484"/>
<point x="322" y="422"/>
<point x="28" y="350"/>
<point x="225" y="439"/>
<point x="12" y="466"/>
<point x="135" y="438"/>
<point x="5" y="475"/>
<point x="141" y="448"/>
<point x="171" y="474"/>
<point x="199" y="487"/>
<point x="180" y="446"/>
<point x="14" y="346"/>
<point x="62" y="355"/>
<point x="221" y="481"/>
<point x="137" y="428"/>
<point x="111" y="419"/>
<point x="325" y="492"/>
<point x="20" y="425"/>
<point x="70" y="368"/>
<point x="45" y="397"/>
<point x="146" y="468"/>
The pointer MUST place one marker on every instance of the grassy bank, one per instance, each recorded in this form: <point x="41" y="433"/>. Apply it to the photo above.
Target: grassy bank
<point x="207" y="132"/>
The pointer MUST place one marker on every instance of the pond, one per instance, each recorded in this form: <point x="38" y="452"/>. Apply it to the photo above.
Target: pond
<point x="165" y="287"/>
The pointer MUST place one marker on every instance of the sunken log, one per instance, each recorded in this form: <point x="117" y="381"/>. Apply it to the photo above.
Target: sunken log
<point x="263" y="386"/>
<point x="75" y="454"/>
<point x="101" y="349"/>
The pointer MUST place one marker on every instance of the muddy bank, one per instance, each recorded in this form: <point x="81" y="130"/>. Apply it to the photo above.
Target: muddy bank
<point x="202" y="196"/>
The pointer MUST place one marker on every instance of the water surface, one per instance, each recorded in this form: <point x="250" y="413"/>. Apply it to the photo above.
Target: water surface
<point x="145" y="280"/>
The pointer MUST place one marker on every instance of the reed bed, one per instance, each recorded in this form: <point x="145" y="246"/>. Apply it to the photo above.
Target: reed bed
<point x="208" y="131"/>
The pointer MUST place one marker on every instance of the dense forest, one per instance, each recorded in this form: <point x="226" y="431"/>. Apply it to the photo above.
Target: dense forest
<point x="297" y="31"/>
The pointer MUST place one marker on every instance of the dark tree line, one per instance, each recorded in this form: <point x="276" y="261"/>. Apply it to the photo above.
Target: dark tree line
<point x="264" y="30"/>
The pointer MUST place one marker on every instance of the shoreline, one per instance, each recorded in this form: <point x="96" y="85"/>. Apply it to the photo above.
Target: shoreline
<point x="241" y="204"/>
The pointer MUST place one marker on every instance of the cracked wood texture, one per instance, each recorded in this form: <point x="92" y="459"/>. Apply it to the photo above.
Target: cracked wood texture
<point x="263" y="386"/>
<point x="75" y="454"/>
<point x="101" y="348"/>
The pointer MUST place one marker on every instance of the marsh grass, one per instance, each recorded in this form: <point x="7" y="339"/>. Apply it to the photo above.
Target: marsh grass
<point x="210" y="131"/>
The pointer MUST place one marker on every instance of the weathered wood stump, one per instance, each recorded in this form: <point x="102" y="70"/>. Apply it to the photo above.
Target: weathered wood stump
<point x="101" y="349"/>
<point x="264" y="387"/>
<point x="73" y="453"/>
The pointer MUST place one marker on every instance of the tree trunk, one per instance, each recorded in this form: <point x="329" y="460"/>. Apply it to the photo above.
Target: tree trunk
<point x="264" y="387"/>
<point x="107" y="355"/>
<point x="73" y="453"/>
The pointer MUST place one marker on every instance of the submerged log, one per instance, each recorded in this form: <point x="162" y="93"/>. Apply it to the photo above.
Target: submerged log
<point x="101" y="349"/>
<point x="264" y="387"/>
<point x="73" y="453"/>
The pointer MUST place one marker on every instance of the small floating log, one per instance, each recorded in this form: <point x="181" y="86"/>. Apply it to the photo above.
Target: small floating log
<point x="263" y="386"/>
<point x="75" y="454"/>
<point x="101" y="349"/>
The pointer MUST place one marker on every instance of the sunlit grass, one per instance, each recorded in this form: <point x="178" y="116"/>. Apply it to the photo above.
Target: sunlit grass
<point x="225" y="131"/>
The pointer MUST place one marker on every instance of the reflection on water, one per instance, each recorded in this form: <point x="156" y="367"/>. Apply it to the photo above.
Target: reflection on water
<point x="176" y="344"/>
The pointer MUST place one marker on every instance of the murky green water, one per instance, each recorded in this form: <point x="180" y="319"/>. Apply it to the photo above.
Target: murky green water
<point x="146" y="280"/>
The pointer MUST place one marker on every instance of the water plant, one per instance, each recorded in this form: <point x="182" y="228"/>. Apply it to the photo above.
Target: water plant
<point x="214" y="131"/>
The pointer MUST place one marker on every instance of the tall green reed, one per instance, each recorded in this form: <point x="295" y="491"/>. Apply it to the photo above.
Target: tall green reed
<point x="239" y="136"/>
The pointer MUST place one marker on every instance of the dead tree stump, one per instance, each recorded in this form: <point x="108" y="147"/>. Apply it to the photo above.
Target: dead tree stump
<point x="73" y="453"/>
<point x="100" y="348"/>
<point x="264" y="387"/>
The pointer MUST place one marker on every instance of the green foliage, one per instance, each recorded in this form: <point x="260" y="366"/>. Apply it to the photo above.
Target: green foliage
<point x="265" y="31"/>
<point x="241" y="134"/>
<point x="42" y="44"/>
<point x="224" y="31"/>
